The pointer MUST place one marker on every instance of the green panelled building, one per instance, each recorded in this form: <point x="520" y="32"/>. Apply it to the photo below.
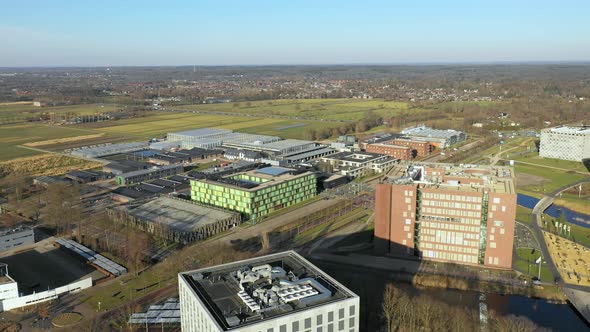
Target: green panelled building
<point x="256" y="193"/>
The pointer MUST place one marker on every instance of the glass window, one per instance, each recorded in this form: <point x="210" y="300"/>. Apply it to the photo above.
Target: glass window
<point x="307" y="323"/>
<point x="283" y="328"/>
<point x="330" y="316"/>
<point x="319" y="320"/>
<point x="341" y="313"/>
<point x="341" y="325"/>
<point x="295" y="326"/>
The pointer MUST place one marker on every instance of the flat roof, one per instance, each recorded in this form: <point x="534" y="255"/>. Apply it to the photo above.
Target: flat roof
<point x="202" y="132"/>
<point x="498" y="179"/>
<point x="570" y="129"/>
<point x="234" y="181"/>
<point x="289" y="284"/>
<point x="365" y="157"/>
<point x="179" y="214"/>
<point x="273" y="170"/>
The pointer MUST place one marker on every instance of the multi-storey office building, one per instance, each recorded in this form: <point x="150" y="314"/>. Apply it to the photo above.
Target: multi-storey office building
<point x="276" y="293"/>
<point x="258" y="192"/>
<point x="443" y="212"/>
<point x="422" y="148"/>
<point x="565" y="142"/>
<point x="395" y="151"/>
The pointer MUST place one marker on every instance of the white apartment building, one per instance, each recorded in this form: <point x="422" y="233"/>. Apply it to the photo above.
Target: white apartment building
<point x="281" y="292"/>
<point x="565" y="142"/>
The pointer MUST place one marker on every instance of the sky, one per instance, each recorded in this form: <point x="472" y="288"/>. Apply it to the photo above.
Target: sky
<point x="251" y="32"/>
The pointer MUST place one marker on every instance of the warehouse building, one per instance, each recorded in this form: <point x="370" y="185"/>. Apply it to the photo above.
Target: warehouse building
<point x="281" y="292"/>
<point x="184" y="156"/>
<point x="256" y="193"/>
<point x="176" y="219"/>
<point x="124" y="166"/>
<point x="565" y="142"/>
<point x="148" y="174"/>
<point x="356" y="164"/>
<point x="440" y="138"/>
<point x="458" y="214"/>
<point x="108" y="149"/>
<point x="14" y="237"/>
<point x="210" y="138"/>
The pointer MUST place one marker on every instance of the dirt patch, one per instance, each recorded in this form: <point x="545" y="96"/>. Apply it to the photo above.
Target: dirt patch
<point x="523" y="180"/>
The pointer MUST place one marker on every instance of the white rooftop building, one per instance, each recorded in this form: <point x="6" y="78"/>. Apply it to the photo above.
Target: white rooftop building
<point x="276" y="293"/>
<point x="565" y="142"/>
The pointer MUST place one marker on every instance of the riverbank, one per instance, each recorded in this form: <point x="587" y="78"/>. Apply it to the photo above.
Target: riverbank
<point x="438" y="275"/>
<point x="547" y="292"/>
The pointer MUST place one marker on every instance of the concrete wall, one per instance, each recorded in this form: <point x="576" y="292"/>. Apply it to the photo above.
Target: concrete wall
<point x="46" y="295"/>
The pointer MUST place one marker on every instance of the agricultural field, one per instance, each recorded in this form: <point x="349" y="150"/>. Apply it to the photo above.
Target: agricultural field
<point x="161" y="123"/>
<point x="11" y="136"/>
<point x="45" y="164"/>
<point x="326" y="109"/>
<point x="12" y="112"/>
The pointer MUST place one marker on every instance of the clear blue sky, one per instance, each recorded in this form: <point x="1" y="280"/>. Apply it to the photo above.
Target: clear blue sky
<point x="126" y="32"/>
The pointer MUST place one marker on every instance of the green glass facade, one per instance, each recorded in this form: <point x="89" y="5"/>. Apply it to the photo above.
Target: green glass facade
<point x="256" y="202"/>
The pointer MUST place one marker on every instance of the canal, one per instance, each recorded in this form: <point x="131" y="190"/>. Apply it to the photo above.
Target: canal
<point x="555" y="211"/>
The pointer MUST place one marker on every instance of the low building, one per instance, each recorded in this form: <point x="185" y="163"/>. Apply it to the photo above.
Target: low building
<point x="46" y="180"/>
<point x="240" y="154"/>
<point x="332" y="181"/>
<point x="256" y="193"/>
<point x="176" y="219"/>
<point x="125" y="166"/>
<point x="356" y="164"/>
<point x="442" y="138"/>
<point x="565" y="142"/>
<point x="14" y="237"/>
<point x="148" y="174"/>
<point x="85" y="176"/>
<point x="108" y="149"/>
<point x="275" y="293"/>
<point x="8" y="286"/>
<point x="184" y="156"/>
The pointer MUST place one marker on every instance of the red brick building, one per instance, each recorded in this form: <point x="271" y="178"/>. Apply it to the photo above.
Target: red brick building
<point x="422" y="148"/>
<point x="453" y="214"/>
<point x="395" y="151"/>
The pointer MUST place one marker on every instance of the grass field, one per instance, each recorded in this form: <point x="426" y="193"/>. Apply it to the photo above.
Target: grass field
<point x="328" y="109"/>
<point x="556" y="178"/>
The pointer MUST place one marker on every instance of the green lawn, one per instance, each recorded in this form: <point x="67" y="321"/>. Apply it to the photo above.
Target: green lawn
<point x="556" y="178"/>
<point x="525" y="262"/>
<point x="523" y="214"/>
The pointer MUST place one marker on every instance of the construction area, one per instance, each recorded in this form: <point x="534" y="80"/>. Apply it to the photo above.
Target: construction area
<point x="176" y="219"/>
